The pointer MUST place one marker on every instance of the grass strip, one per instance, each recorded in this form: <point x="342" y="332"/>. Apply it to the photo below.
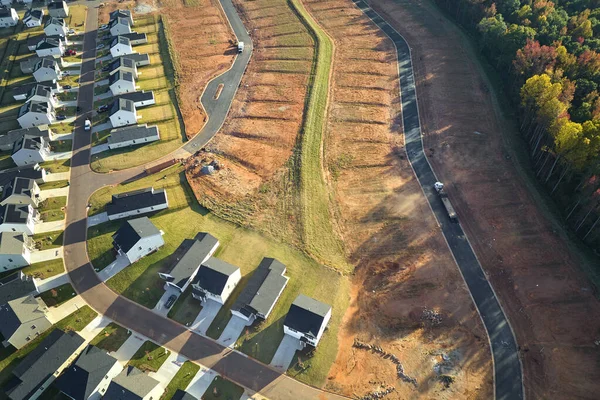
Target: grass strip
<point x="181" y="380"/>
<point x="318" y="234"/>
<point x="149" y="357"/>
<point x="111" y="338"/>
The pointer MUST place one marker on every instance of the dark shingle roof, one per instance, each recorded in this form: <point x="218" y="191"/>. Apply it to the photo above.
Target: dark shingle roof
<point x="34" y="106"/>
<point x="121" y="104"/>
<point x="33" y="14"/>
<point x="134" y="36"/>
<point x="263" y="288"/>
<point x="128" y="133"/>
<point x="306" y="315"/>
<point x="132" y="231"/>
<point x="5" y="12"/>
<point x="130" y="384"/>
<point x="182" y="395"/>
<point x="54" y="21"/>
<point x="55" y="5"/>
<point x="27" y="172"/>
<point x="25" y="89"/>
<point x="14" y="214"/>
<point x="120" y="76"/>
<point x="187" y="266"/>
<point x="48" y="43"/>
<point x="16" y="285"/>
<point x="120" y="39"/>
<point x="19" y="186"/>
<point x="137" y="96"/>
<point x="79" y="380"/>
<point x="120" y="14"/>
<point x="136" y="200"/>
<point x="213" y="274"/>
<point x="137" y="57"/>
<point x="43" y="361"/>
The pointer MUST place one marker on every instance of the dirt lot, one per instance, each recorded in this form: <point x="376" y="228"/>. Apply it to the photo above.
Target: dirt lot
<point x="403" y="264"/>
<point x="550" y="304"/>
<point x="259" y="136"/>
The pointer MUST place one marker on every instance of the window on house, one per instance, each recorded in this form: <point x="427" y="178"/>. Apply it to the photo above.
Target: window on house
<point x="33" y="326"/>
<point x="140" y="248"/>
<point x="10" y="260"/>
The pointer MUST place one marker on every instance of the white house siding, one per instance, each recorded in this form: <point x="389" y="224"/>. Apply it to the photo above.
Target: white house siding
<point x="134" y="142"/>
<point x="45" y="74"/>
<point x="232" y="282"/>
<point x="31" y="120"/>
<point x="144" y="103"/>
<point x="27" y="157"/>
<point x="120" y="50"/>
<point x="10" y="21"/>
<point x="120" y="29"/>
<point x="122" y="86"/>
<point x="298" y="335"/>
<point x="33" y="23"/>
<point x="28" y="227"/>
<point x="20" y="97"/>
<point x="56" y="30"/>
<point x="144" y="247"/>
<point x="122" y="118"/>
<point x="102" y="386"/>
<point x="12" y="261"/>
<point x="137" y="212"/>
<point x="53" y="52"/>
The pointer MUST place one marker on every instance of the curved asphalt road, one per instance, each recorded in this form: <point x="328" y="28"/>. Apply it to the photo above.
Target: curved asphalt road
<point x="84" y="182"/>
<point x="507" y="367"/>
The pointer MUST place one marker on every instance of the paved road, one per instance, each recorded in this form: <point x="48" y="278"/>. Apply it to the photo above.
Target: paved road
<point x="236" y="366"/>
<point x="507" y="367"/>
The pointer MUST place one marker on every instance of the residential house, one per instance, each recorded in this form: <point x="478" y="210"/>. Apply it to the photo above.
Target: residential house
<point x="56" y="27"/>
<point x="140" y="60"/>
<point x="34" y="172"/>
<point x="32" y="42"/>
<point x="30" y="150"/>
<point x="124" y="64"/>
<point x="215" y="280"/>
<point x="133" y="384"/>
<point x="7" y="140"/>
<point x="122" y="113"/>
<point x="36" y="370"/>
<point x="16" y="286"/>
<point x="23" y="319"/>
<point x="33" y="18"/>
<point x="50" y="47"/>
<point x="140" y="99"/>
<point x="137" y="238"/>
<point x="36" y="113"/>
<point x="306" y="320"/>
<point x="120" y="46"/>
<point x="8" y="17"/>
<point x="28" y="65"/>
<point x="137" y="202"/>
<point x="122" y="14"/>
<point x="262" y="291"/>
<point x="20" y="93"/>
<point x="119" y="26"/>
<point x="121" y="82"/>
<point x="42" y="94"/>
<point x="58" y="9"/>
<point x="21" y="191"/>
<point x="89" y="377"/>
<point x="136" y="38"/>
<point x="183" y="395"/>
<point x="15" y="250"/>
<point x="18" y="218"/>
<point x="132" y="136"/>
<point x="184" y="270"/>
<point x="47" y="69"/>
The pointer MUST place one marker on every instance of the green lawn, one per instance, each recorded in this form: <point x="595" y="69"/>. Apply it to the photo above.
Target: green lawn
<point x="239" y="246"/>
<point x="10" y="357"/>
<point x="45" y="269"/>
<point x="149" y="357"/>
<point x="111" y="338"/>
<point x="54" y="185"/>
<point x="48" y="240"/>
<point x="182" y="379"/>
<point x="57" y="296"/>
<point x="67" y="96"/>
<point x="57" y="166"/>
<point x="63" y="127"/>
<point x="77" y="14"/>
<point x="186" y="308"/>
<point x="61" y="146"/>
<point x="100" y="244"/>
<point x="6" y="161"/>
<point x="51" y="208"/>
<point x="221" y="388"/>
<point x="100" y="89"/>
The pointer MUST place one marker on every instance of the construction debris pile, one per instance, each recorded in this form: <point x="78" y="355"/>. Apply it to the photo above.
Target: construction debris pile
<point x="431" y="317"/>
<point x="388" y="356"/>
<point x="380" y="394"/>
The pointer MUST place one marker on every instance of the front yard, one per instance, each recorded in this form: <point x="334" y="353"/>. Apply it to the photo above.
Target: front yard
<point x="149" y="357"/>
<point x="59" y="295"/>
<point x="111" y="338"/>
<point x="45" y="269"/>
<point x="52" y="209"/>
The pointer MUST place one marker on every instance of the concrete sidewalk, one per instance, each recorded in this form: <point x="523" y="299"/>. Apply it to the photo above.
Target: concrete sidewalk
<point x="114" y="268"/>
<point x="97" y="219"/>
<point x="205" y="317"/>
<point x="65" y="155"/>
<point x="57" y="176"/>
<point x="128" y="349"/>
<point x="168" y="369"/>
<point x="58" y="192"/>
<point x="200" y="382"/>
<point x="102" y="96"/>
<point x="44" y="227"/>
<point x="55" y="314"/>
<point x="101" y="127"/>
<point x="52" y="282"/>
<point x="99" y="148"/>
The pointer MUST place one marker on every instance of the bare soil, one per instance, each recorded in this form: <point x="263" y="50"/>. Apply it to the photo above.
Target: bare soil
<point x="403" y="265"/>
<point x="550" y="304"/>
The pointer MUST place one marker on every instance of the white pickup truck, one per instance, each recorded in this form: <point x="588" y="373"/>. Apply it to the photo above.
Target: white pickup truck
<point x="87" y="125"/>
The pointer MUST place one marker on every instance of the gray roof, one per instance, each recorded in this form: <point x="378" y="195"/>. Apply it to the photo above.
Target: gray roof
<point x="120" y="76"/>
<point x="134" y="36"/>
<point x="29" y="142"/>
<point x="40" y="90"/>
<point x="14" y="214"/>
<point x="306" y="315"/>
<point x="137" y="96"/>
<point x="46" y="62"/>
<point x="48" y="43"/>
<point x="137" y="57"/>
<point x="17" y="285"/>
<point x="135" y="200"/>
<point x="188" y="265"/>
<point x="128" y="133"/>
<point x="34" y="106"/>
<point x="12" y="243"/>
<point x="20" y="186"/>
<point x="130" y="384"/>
<point x="43" y="361"/>
<point x="33" y="14"/>
<point x="120" y="14"/>
<point x="55" y="5"/>
<point x="132" y="231"/>
<point x="120" y="21"/>
<point x="120" y="39"/>
<point x="31" y="172"/>
<point x="122" y="104"/>
<point x="26" y="88"/>
<point x="213" y="275"/>
<point x="79" y="380"/>
<point x="182" y="395"/>
<point x="12" y="136"/>
<point x="54" y="21"/>
<point x="19" y="311"/>
<point x="5" y="12"/>
<point x="125" y="61"/>
<point x="263" y="288"/>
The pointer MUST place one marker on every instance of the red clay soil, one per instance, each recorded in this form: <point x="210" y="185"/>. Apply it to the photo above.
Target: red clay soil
<point x="403" y="265"/>
<point x="549" y="302"/>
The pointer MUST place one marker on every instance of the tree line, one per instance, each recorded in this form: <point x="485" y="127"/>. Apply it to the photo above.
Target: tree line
<point x="547" y="54"/>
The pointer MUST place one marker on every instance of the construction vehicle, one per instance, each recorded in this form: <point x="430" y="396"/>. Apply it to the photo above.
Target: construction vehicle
<point x="439" y="188"/>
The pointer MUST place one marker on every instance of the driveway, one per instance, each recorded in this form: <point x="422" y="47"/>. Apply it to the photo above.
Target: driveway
<point x="160" y="308"/>
<point x="65" y="155"/>
<point x="170" y="367"/>
<point x="232" y="331"/>
<point x="55" y="314"/>
<point x="94" y="328"/>
<point x="128" y="349"/>
<point x="105" y="95"/>
<point x="45" y="255"/>
<point x="58" y="192"/>
<point x="99" y="148"/>
<point x="205" y="317"/>
<point x="57" y="176"/>
<point x="44" y="227"/>
<point x="201" y="382"/>
<point x="97" y="219"/>
<point x="285" y="353"/>
<point x="114" y="268"/>
<point x="52" y="282"/>
<point x="101" y="127"/>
